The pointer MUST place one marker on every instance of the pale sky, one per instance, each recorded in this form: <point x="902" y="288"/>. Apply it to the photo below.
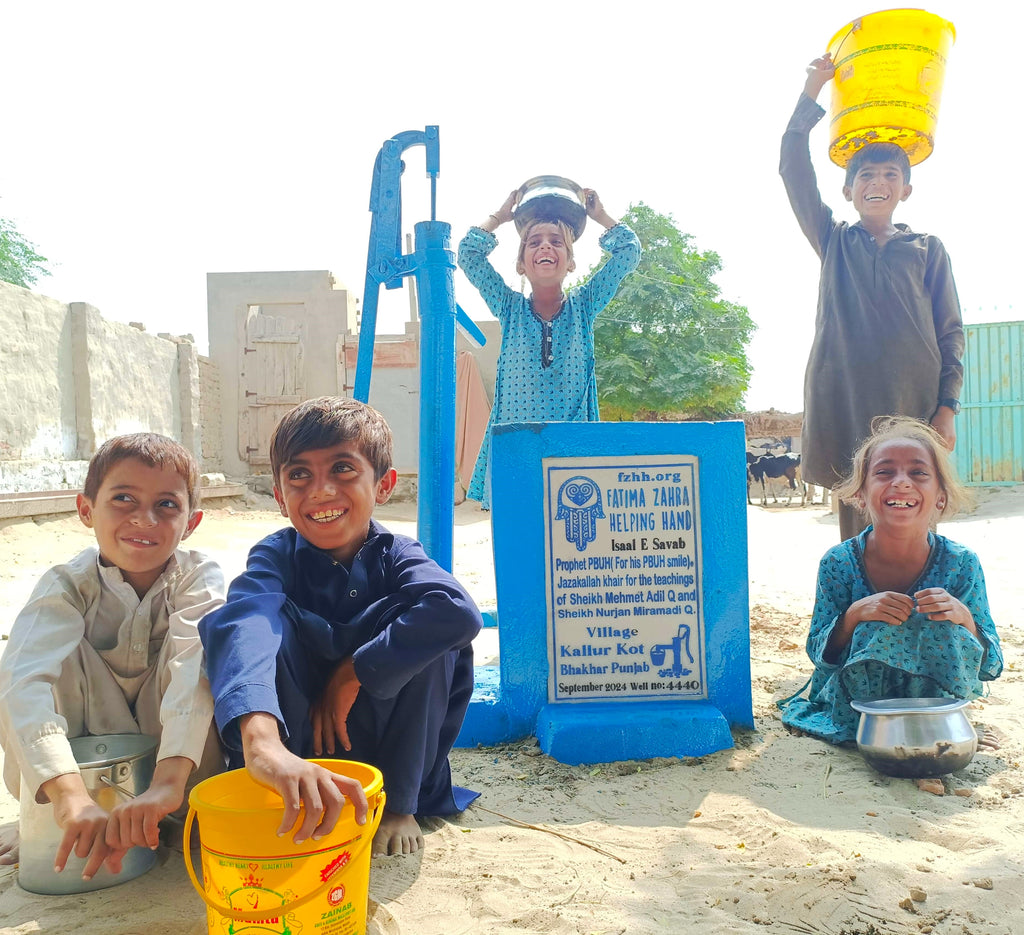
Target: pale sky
<point x="146" y="144"/>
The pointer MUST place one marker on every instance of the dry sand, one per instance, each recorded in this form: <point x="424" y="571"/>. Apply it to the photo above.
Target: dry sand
<point x="780" y="834"/>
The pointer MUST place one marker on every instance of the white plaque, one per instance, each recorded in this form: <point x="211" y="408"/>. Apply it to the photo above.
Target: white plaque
<point x="624" y="600"/>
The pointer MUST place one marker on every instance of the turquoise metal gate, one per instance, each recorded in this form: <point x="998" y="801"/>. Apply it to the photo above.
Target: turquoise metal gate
<point x="990" y="427"/>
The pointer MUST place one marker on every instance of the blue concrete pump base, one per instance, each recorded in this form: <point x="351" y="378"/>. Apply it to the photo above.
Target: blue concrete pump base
<point x="512" y="701"/>
<point x="488" y="720"/>
<point x="598" y="732"/>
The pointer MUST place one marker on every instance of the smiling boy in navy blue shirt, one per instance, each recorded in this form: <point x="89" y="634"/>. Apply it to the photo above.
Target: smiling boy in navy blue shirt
<point x="341" y="638"/>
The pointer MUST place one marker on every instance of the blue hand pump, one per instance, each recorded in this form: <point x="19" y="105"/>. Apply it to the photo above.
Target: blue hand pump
<point x="433" y="264"/>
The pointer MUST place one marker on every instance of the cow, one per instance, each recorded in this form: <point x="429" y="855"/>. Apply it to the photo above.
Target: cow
<point x="751" y="458"/>
<point x="771" y="466"/>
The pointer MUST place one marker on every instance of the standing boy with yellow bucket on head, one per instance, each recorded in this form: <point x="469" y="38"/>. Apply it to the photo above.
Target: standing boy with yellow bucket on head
<point x="888" y="334"/>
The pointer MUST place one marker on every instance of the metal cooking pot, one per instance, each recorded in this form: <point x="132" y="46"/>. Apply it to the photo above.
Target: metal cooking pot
<point x="915" y="737"/>
<point x="551" y="198"/>
<point x="114" y="767"/>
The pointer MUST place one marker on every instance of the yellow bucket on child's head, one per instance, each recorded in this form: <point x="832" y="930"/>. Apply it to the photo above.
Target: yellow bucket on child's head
<point x="258" y="882"/>
<point x="890" y="67"/>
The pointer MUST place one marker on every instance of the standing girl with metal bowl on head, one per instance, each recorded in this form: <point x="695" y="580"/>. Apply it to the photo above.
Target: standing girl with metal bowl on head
<point x="546" y="365"/>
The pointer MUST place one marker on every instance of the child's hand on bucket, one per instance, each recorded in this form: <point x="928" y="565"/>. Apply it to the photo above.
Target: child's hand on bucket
<point x="309" y="790"/>
<point x="819" y="73"/>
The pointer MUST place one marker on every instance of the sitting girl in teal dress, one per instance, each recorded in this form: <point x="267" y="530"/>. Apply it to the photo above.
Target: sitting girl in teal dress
<point x="546" y="364"/>
<point x="900" y="611"/>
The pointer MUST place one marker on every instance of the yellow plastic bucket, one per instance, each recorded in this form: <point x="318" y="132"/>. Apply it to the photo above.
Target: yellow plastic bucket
<point x="889" y="72"/>
<point x="257" y="882"/>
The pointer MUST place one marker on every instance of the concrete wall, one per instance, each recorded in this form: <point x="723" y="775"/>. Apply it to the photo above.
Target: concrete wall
<point x="35" y="378"/>
<point x="210" y="414"/>
<point x="125" y="380"/>
<point x="70" y="380"/>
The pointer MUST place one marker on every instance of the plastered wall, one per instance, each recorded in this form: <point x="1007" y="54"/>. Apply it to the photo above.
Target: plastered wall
<point x="210" y="414"/>
<point x="35" y="351"/>
<point x="69" y="380"/>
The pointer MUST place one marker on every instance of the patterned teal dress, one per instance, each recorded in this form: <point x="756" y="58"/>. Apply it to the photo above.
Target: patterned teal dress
<point x="545" y="370"/>
<point x="921" y="658"/>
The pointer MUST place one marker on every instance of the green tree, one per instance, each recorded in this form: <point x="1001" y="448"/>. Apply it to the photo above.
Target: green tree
<point x="667" y="343"/>
<point x="19" y="262"/>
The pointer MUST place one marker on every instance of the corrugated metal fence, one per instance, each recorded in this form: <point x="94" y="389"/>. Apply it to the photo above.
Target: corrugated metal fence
<point x="990" y="427"/>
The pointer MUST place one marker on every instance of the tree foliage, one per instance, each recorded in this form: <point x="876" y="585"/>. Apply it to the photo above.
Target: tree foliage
<point x="667" y="342"/>
<point x="19" y="262"/>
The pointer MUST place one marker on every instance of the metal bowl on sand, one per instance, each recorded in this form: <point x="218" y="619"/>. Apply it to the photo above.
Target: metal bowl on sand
<point x="915" y="737"/>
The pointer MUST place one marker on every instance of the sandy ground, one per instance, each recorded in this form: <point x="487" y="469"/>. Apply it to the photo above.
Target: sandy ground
<point x="780" y="834"/>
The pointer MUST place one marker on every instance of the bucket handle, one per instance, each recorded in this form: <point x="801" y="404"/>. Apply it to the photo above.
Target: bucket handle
<point x="856" y="25"/>
<point x="107" y="781"/>
<point x="254" y="915"/>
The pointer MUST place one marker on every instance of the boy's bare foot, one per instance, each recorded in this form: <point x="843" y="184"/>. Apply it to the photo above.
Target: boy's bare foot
<point x="934" y="786"/>
<point x="397" y="834"/>
<point x="987" y="740"/>
<point x="9" y="844"/>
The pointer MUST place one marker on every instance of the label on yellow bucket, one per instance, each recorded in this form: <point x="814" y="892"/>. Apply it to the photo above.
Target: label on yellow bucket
<point x="252" y="884"/>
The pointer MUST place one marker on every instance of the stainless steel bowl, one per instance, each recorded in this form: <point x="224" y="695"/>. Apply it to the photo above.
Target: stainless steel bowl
<point x="551" y="198"/>
<point x="915" y="737"/>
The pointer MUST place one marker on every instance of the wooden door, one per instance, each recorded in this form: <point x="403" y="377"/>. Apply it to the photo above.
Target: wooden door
<point x="272" y="379"/>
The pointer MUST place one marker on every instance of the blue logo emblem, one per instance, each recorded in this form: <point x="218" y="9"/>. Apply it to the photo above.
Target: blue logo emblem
<point x="579" y="505"/>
